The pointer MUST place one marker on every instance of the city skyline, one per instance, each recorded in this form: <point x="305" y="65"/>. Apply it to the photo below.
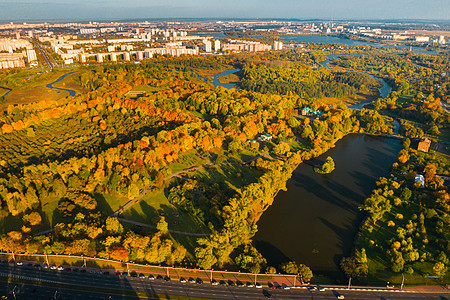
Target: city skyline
<point x="300" y="9"/>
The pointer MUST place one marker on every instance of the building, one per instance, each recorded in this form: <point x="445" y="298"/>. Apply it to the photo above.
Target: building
<point x="11" y="60"/>
<point x="216" y="45"/>
<point x="441" y="40"/>
<point x="31" y="55"/>
<point x="277" y="45"/>
<point x="422" y="39"/>
<point x="424" y="144"/>
<point x="264" y="138"/>
<point x="207" y="46"/>
<point x="421" y="179"/>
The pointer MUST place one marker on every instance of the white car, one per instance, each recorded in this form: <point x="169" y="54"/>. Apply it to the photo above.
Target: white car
<point x="52" y="267"/>
<point x="341" y="297"/>
<point x="258" y="285"/>
<point x="19" y="263"/>
<point x="60" y="268"/>
<point x="320" y="289"/>
<point x="182" y="280"/>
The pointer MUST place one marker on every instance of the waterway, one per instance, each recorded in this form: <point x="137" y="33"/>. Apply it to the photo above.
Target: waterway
<point x="327" y="39"/>
<point x="50" y="85"/>
<point x="385" y="89"/>
<point x="216" y="82"/>
<point x="315" y="221"/>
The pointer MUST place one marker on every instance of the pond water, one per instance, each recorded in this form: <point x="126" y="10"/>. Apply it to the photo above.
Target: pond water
<point x="315" y="221"/>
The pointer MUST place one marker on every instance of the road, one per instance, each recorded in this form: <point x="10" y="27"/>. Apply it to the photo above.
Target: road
<point x="36" y="283"/>
<point x="49" y="60"/>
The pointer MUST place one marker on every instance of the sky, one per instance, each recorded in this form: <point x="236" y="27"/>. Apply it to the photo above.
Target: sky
<point x="11" y="10"/>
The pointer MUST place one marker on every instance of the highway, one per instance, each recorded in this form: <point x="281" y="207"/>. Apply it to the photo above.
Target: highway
<point x="29" y="282"/>
<point x="49" y="60"/>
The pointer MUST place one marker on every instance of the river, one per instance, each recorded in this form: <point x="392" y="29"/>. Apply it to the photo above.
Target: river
<point x="216" y="82"/>
<point x="314" y="222"/>
<point x="71" y="92"/>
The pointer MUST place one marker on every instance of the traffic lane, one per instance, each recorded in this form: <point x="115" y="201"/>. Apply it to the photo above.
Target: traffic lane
<point x="135" y="284"/>
<point x="204" y="290"/>
<point x="33" y="292"/>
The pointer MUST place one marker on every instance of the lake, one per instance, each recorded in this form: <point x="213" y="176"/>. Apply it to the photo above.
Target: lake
<point x="315" y="221"/>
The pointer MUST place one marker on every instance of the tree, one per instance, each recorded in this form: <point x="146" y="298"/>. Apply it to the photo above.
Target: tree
<point x="305" y="272"/>
<point x="352" y="267"/>
<point x="251" y="259"/>
<point x="327" y="167"/>
<point x="119" y="253"/>
<point x="113" y="225"/>
<point x="290" y="267"/>
<point x="439" y="269"/>
<point x="162" y="226"/>
<point x="33" y="218"/>
<point x="376" y="205"/>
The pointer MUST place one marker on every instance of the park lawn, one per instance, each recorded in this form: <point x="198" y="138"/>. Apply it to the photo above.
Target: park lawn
<point x="149" y="89"/>
<point x="32" y="95"/>
<point x="297" y="146"/>
<point x="231" y="78"/>
<point x="154" y="204"/>
<point x="210" y="72"/>
<point x="188" y="160"/>
<point x="70" y="83"/>
<point x="110" y="203"/>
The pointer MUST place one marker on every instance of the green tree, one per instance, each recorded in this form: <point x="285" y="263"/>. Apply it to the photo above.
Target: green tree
<point x="162" y="226"/>
<point x="305" y="272"/>
<point x="290" y="267"/>
<point x="327" y="167"/>
<point x="113" y="225"/>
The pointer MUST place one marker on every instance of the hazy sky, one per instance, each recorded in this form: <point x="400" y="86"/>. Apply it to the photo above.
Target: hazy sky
<point x="301" y="9"/>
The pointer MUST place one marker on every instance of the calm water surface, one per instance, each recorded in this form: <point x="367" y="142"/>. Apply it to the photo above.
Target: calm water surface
<point x="314" y="222"/>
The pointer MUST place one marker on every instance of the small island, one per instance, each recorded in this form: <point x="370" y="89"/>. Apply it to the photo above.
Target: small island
<point x="327" y="167"/>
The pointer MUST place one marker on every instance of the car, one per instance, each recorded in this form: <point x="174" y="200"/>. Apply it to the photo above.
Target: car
<point x="182" y="280"/>
<point x="312" y="288"/>
<point x="159" y="277"/>
<point x="141" y="275"/>
<point x="191" y="280"/>
<point x="82" y="270"/>
<point x="249" y="284"/>
<point x="67" y="269"/>
<point x="271" y="286"/>
<point x="230" y="283"/>
<point x="214" y="282"/>
<point x="151" y="277"/>
<point x="37" y="265"/>
<point x="60" y="268"/>
<point x="222" y="283"/>
<point x="19" y="263"/>
<point x="199" y="281"/>
<point x="93" y="271"/>
<point x="118" y="273"/>
<point x="286" y="287"/>
<point x="341" y="297"/>
<point x="239" y="284"/>
<point x="267" y="294"/>
<point x="29" y="265"/>
<point x="133" y="274"/>
<point x="167" y="278"/>
<point x="99" y="272"/>
<point x="106" y="273"/>
<point x="75" y="270"/>
<point x="52" y="267"/>
<point x="258" y="285"/>
<point x="125" y="274"/>
<point x="320" y="289"/>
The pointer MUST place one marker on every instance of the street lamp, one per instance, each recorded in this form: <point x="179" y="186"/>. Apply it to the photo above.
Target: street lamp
<point x="349" y="283"/>
<point x="403" y="281"/>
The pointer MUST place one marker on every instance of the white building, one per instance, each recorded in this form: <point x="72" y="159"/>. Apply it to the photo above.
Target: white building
<point x="216" y="45"/>
<point x="207" y="47"/>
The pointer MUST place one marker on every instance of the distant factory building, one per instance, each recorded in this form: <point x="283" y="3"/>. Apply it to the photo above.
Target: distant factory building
<point x="277" y="45"/>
